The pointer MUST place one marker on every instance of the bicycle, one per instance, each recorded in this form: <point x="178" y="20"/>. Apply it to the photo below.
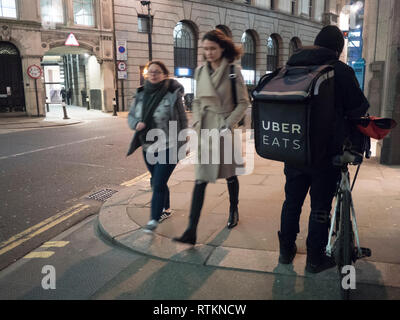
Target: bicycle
<point x="343" y="240"/>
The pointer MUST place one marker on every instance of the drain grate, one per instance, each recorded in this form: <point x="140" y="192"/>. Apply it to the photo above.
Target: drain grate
<point x="102" y="195"/>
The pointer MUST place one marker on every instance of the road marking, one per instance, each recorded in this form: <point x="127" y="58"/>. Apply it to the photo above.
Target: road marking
<point x="40" y="254"/>
<point x="54" y="244"/>
<point x="41" y="230"/>
<point x="49" y="148"/>
<point x="37" y="226"/>
<point x="135" y="180"/>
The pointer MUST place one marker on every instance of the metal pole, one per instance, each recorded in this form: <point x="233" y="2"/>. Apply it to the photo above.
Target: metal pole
<point x="37" y="99"/>
<point x="115" y="53"/>
<point x="123" y="95"/>
<point x="64" y="110"/>
<point x="150" y="31"/>
<point x="114" y="107"/>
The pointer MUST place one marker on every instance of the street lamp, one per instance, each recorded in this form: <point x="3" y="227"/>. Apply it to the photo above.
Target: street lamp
<point x="148" y="3"/>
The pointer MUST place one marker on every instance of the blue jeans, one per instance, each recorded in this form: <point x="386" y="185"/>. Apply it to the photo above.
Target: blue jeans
<point x="160" y="174"/>
<point x="322" y="186"/>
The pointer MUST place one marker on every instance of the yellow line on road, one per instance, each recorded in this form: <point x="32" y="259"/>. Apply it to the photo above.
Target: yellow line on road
<point x="54" y="244"/>
<point x="37" y="226"/>
<point x="135" y="180"/>
<point x="46" y="227"/>
<point x="39" y="254"/>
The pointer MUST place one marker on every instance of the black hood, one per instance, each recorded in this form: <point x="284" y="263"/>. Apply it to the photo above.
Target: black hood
<point x="312" y="56"/>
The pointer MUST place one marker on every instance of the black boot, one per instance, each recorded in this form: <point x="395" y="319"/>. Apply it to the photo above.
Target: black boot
<point x="287" y="250"/>
<point x="233" y="218"/>
<point x="189" y="236"/>
<point x="233" y="189"/>
<point x="318" y="262"/>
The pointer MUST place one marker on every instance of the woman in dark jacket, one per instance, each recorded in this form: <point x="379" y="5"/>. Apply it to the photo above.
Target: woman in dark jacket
<point x="157" y="104"/>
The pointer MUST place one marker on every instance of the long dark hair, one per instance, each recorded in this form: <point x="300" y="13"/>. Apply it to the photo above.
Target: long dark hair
<point x="231" y="52"/>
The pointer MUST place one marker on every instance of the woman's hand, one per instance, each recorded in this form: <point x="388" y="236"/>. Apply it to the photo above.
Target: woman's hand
<point x="140" y="126"/>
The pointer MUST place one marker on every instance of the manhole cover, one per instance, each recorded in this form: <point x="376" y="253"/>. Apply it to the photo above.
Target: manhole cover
<point x="102" y="195"/>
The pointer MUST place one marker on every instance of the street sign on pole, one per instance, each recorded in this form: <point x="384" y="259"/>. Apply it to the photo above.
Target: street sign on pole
<point x="35" y="72"/>
<point x="122" y="51"/>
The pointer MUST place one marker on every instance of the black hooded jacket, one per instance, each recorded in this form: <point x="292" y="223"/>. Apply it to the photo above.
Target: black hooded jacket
<point x="350" y="101"/>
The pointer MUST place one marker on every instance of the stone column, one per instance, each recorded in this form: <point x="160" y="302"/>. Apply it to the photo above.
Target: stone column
<point x="107" y="70"/>
<point x="30" y="93"/>
<point x="390" y="152"/>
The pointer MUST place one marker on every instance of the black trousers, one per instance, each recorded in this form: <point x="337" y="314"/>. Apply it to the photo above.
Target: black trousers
<point x="321" y="183"/>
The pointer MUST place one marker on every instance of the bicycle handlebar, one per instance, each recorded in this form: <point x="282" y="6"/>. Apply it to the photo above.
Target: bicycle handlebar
<point x="346" y="158"/>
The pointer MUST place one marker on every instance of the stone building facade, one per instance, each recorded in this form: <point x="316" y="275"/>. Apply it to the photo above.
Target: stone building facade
<point x="268" y="30"/>
<point x="36" y="31"/>
<point x="382" y="55"/>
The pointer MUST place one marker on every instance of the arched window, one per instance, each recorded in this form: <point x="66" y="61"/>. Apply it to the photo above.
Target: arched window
<point x="272" y="54"/>
<point x="185" y="55"/>
<point x="294" y="45"/>
<point x="8" y="48"/>
<point x="249" y="57"/>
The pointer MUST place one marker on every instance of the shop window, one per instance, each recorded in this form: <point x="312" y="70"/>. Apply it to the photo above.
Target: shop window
<point x="8" y="9"/>
<point x="84" y="12"/>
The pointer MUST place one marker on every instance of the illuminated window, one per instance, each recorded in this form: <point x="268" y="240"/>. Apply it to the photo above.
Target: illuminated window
<point x="52" y="11"/>
<point x="272" y="54"/>
<point x="8" y="9"/>
<point x="185" y="53"/>
<point x="249" y="58"/>
<point x="84" y="12"/>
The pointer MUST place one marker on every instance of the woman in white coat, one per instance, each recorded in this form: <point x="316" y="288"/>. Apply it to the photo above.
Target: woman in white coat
<point x="214" y="108"/>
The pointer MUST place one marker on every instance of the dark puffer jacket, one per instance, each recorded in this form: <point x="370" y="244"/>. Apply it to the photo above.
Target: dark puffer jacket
<point x="350" y="101"/>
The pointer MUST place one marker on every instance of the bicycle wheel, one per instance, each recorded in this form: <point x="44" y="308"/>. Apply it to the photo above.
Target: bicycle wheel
<point x="346" y="239"/>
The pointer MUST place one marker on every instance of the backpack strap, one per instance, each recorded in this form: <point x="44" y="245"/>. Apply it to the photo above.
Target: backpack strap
<point x="232" y="76"/>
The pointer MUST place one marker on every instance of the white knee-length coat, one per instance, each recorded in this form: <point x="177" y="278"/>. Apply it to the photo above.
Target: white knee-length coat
<point x="213" y="108"/>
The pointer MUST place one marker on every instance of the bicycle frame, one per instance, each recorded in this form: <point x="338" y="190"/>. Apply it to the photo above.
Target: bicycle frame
<point x="343" y="186"/>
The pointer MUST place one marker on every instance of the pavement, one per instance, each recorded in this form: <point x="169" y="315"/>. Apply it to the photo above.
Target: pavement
<point x="54" y="118"/>
<point x="253" y="244"/>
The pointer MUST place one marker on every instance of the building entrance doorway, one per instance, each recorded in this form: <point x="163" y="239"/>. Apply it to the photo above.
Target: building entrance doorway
<point x="78" y="73"/>
<point x="12" y="97"/>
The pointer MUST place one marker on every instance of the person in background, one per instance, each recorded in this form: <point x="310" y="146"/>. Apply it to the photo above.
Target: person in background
<point x="157" y="103"/>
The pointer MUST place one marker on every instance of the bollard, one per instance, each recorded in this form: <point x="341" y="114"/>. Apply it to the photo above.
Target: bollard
<point x="65" y="110"/>
<point x="47" y="105"/>
<point x="114" y="107"/>
<point x="88" y="102"/>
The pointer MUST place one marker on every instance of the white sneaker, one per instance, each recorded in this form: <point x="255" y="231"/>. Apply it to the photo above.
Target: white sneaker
<point x="164" y="215"/>
<point x="151" y="225"/>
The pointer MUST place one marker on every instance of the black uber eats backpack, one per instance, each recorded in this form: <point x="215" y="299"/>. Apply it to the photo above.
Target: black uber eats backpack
<point x="294" y="113"/>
